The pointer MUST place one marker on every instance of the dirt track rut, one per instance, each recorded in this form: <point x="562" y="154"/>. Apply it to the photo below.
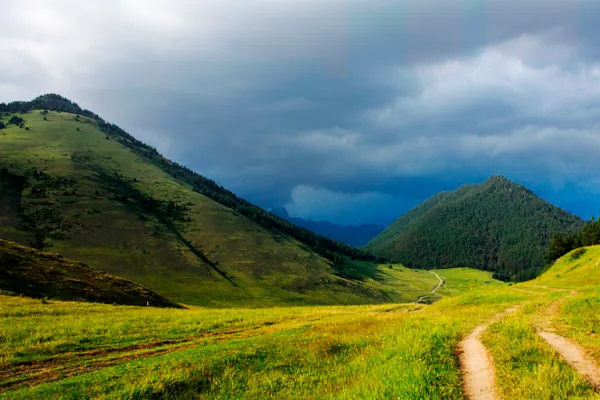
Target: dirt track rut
<point x="477" y="366"/>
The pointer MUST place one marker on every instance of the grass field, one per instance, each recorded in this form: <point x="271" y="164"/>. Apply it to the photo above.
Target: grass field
<point x="82" y="350"/>
<point x="72" y="350"/>
<point x="566" y="298"/>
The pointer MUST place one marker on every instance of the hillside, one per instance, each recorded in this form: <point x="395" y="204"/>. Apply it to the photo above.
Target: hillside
<point x="352" y="235"/>
<point x="577" y="269"/>
<point x="498" y="226"/>
<point x="35" y="274"/>
<point x="74" y="184"/>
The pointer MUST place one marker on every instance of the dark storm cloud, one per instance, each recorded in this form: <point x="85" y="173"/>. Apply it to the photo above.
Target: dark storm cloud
<point x="347" y="110"/>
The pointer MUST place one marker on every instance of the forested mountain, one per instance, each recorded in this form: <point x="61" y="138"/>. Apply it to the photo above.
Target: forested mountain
<point x="78" y="185"/>
<point x="353" y="235"/>
<point x="498" y="226"/>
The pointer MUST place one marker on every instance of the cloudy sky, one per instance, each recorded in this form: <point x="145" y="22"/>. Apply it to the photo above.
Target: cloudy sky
<point x="351" y="111"/>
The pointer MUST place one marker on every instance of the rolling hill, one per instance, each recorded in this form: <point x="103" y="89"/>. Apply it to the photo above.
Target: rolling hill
<point x="32" y="273"/>
<point x="497" y="226"/>
<point x="82" y="187"/>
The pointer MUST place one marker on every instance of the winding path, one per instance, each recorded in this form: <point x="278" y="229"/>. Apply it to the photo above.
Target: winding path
<point x="440" y="283"/>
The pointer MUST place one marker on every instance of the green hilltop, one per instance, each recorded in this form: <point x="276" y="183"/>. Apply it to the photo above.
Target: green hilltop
<point x="498" y="226"/>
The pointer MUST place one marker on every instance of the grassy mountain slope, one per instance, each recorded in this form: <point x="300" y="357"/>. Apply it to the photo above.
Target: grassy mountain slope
<point x="578" y="269"/>
<point x="85" y="189"/>
<point x="497" y="226"/>
<point x="32" y="273"/>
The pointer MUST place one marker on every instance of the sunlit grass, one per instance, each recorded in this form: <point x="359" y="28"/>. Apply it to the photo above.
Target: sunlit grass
<point x="399" y="351"/>
<point x="405" y="351"/>
<point x="526" y="366"/>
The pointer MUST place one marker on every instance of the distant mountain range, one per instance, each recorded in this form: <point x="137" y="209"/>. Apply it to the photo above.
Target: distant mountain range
<point x="498" y="225"/>
<point x="353" y="235"/>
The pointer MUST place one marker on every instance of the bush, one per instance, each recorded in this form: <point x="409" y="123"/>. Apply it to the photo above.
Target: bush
<point x="2" y="125"/>
<point x="578" y="253"/>
<point x="16" y="120"/>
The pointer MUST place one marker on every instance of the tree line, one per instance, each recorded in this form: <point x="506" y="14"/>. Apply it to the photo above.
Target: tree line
<point x="563" y="244"/>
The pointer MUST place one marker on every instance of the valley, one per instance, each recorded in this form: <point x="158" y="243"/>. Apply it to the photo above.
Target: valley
<point x="406" y="351"/>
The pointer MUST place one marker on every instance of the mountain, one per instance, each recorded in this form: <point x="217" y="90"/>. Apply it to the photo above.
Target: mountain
<point x="498" y="226"/>
<point x="352" y="235"/>
<point x="72" y="183"/>
<point x="33" y="273"/>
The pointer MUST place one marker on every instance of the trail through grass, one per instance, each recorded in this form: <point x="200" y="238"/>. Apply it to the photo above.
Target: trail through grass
<point x="85" y="350"/>
<point x="68" y="350"/>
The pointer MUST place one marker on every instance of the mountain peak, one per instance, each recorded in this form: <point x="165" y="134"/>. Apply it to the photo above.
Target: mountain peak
<point x="498" y="179"/>
<point x="501" y="183"/>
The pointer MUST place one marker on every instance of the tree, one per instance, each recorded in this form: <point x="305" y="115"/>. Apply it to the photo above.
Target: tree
<point x="2" y="125"/>
<point x="15" y="120"/>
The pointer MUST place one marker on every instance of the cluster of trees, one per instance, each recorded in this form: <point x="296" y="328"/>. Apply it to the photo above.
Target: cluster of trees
<point x="497" y="226"/>
<point x="326" y="247"/>
<point x="563" y="244"/>
<point x="51" y="101"/>
<point x="14" y="120"/>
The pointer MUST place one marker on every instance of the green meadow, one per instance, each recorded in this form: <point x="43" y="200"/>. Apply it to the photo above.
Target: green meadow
<point x="80" y="350"/>
<point x="70" y="350"/>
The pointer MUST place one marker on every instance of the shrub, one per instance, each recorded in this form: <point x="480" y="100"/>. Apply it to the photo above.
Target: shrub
<point x="578" y="253"/>
<point x="14" y="120"/>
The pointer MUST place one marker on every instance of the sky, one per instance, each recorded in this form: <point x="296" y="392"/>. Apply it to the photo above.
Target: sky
<point x="339" y="110"/>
